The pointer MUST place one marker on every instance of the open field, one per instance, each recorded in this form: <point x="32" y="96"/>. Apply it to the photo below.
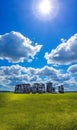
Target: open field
<point x="38" y="111"/>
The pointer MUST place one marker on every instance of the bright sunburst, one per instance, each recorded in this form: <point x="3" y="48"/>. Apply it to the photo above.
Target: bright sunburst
<point x="45" y="9"/>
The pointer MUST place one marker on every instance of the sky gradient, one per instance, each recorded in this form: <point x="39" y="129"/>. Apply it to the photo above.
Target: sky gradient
<point x="34" y="48"/>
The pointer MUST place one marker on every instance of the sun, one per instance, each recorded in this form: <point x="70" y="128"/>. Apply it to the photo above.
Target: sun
<point x="45" y="7"/>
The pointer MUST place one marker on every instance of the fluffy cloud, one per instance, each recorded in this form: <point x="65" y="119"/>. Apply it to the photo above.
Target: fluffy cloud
<point x="16" y="48"/>
<point x="47" y="71"/>
<point x="35" y="78"/>
<point x="15" y="74"/>
<point x="71" y="84"/>
<point x="44" y="72"/>
<point x="73" y="69"/>
<point x="65" y="53"/>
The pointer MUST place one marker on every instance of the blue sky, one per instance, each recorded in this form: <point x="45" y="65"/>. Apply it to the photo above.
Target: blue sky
<point x="34" y="48"/>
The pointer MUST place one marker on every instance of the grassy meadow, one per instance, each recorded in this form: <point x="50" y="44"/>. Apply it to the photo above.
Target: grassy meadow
<point x="38" y="111"/>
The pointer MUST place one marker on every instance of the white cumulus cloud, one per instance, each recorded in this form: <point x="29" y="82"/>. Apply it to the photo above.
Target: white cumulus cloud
<point x="73" y="69"/>
<point x="16" y="74"/>
<point x="16" y="48"/>
<point x="65" y="53"/>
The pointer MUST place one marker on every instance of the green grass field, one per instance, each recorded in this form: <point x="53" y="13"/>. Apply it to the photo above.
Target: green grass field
<point x="38" y="111"/>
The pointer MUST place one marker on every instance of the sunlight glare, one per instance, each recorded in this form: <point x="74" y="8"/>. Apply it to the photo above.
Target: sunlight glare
<point x="45" y="10"/>
<point x="45" y="7"/>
